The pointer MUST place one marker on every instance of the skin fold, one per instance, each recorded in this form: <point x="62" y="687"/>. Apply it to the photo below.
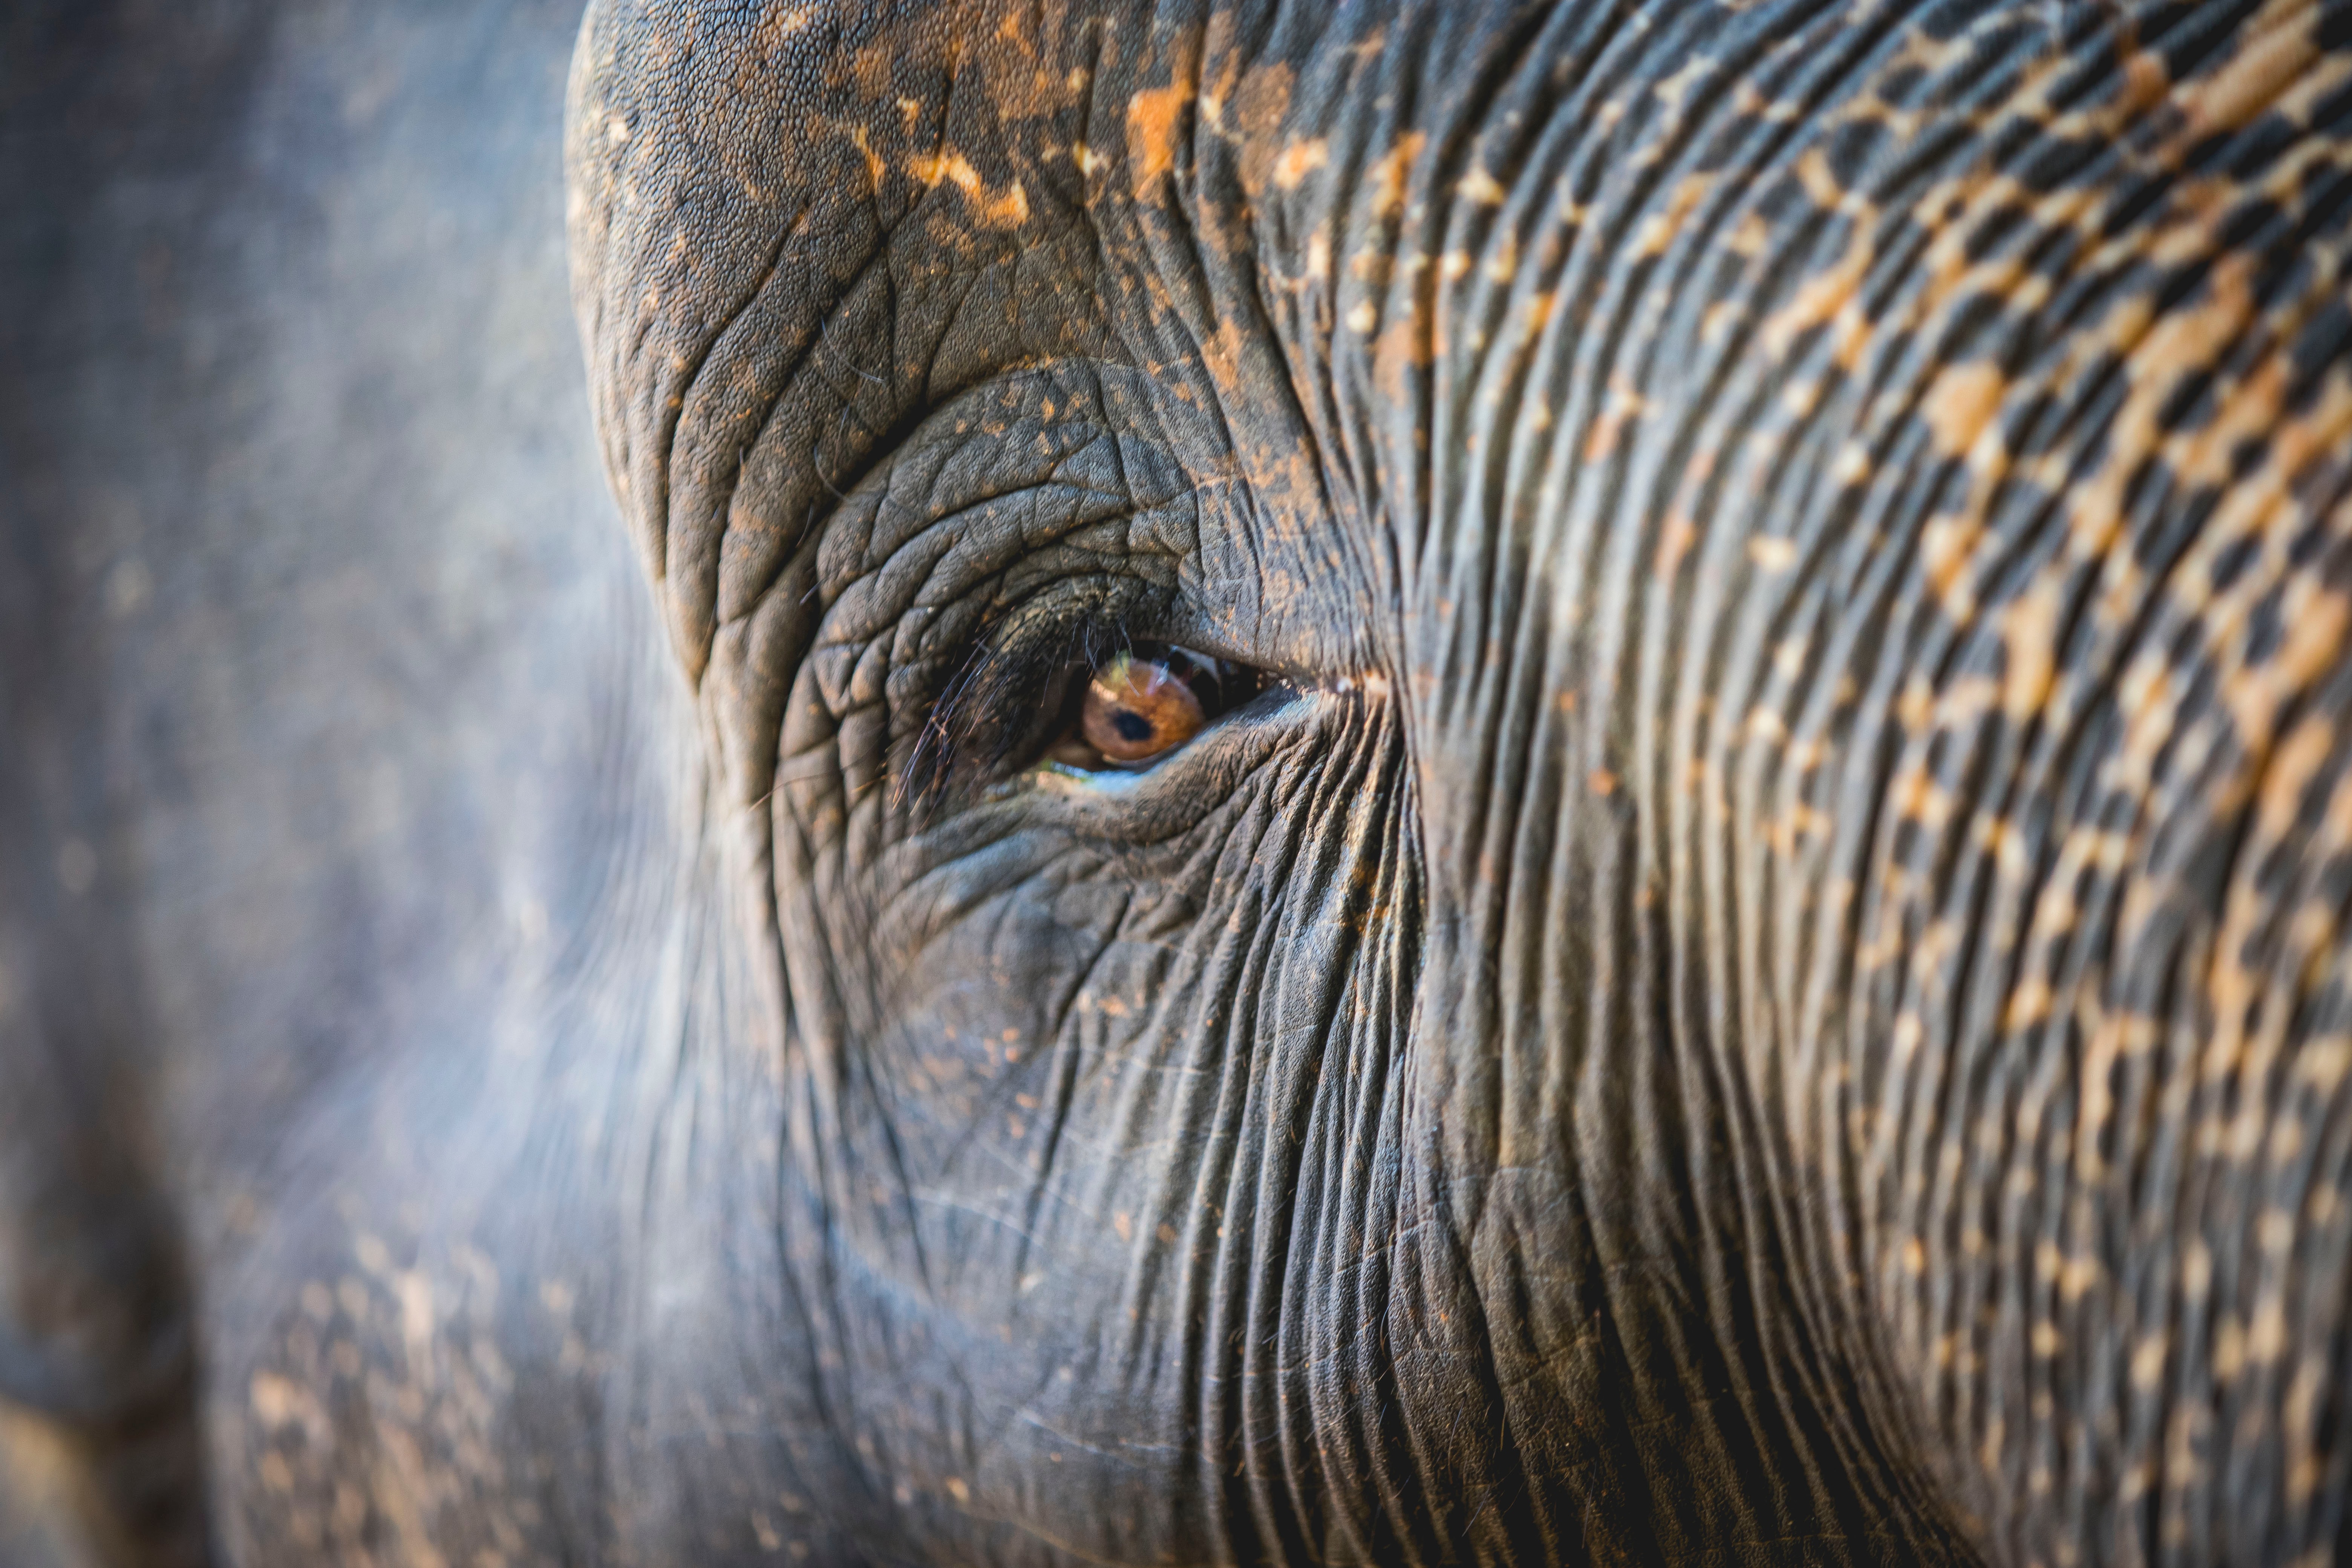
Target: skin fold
<point x="1754" y="976"/>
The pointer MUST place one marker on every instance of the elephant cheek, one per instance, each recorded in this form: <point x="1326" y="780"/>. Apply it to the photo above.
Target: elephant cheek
<point x="1118" y="1173"/>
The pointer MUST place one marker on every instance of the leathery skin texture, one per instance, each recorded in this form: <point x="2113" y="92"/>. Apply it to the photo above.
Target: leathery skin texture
<point x="1761" y="984"/>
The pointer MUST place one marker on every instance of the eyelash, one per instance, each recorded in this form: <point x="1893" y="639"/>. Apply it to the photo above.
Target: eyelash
<point x="1003" y="711"/>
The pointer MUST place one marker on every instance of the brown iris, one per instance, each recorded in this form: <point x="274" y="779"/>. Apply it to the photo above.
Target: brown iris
<point x="1138" y="707"/>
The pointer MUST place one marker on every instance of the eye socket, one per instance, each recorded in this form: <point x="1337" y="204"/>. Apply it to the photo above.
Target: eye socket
<point x="1144" y="701"/>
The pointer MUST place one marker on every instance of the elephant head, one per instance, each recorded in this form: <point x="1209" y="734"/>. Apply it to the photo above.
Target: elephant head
<point x="1512" y="782"/>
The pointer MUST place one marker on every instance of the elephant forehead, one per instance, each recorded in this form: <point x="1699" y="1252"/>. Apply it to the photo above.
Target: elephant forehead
<point x="795" y="229"/>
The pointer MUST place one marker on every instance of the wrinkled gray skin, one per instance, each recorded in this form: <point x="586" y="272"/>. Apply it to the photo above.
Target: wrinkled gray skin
<point x="1764" y="985"/>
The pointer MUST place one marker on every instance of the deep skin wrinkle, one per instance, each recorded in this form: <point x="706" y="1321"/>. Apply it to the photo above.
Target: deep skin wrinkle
<point x="1702" y="994"/>
<point x="1758" y="978"/>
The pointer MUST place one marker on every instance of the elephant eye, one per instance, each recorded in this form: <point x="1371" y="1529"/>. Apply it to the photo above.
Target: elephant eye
<point x="1144" y="701"/>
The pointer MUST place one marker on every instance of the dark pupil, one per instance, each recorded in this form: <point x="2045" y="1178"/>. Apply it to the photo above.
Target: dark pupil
<point x="1131" y="725"/>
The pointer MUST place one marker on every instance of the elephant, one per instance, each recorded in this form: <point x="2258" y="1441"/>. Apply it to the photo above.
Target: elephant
<point x="1410" y="781"/>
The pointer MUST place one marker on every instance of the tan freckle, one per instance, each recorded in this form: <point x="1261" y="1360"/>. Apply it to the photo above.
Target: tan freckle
<point x="1363" y="317"/>
<point x="1961" y="402"/>
<point x="2045" y="1339"/>
<point x="1915" y="1258"/>
<point x="274" y="1473"/>
<point x="1917" y="705"/>
<point x="414" y="1291"/>
<point x="1622" y="404"/>
<point x="1823" y="299"/>
<point x="1124" y="1223"/>
<point x="1602" y="782"/>
<point x="2323" y="1062"/>
<point x="2029" y="632"/>
<point x="1166" y="1233"/>
<point x="2301" y="1481"/>
<point x="1454" y="266"/>
<point x="958" y="1488"/>
<point x="1945" y="546"/>
<point x="2228" y="1348"/>
<point x="1481" y="187"/>
<point x="2287" y="1142"/>
<point x="1152" y="117"/>
<point x="1772" y="553"/>
<point x="1505" y="263"/>
<point x="2324" y="1202"/>
<point x="1403" y="348"/>
<point x="2304" y="1394"/>
<point x="1675" y="542"/>
<point x="274" y="1399"/>
<point x="1918" y="797"/>
<point x="1905" y="1041"/>
<point x="1675" y="90"/>
<point x="2292" y="765"/>
<point x="2315" y="634"/>
<point x="2196" y="1270"/>
<point x="1391" y="172"/>
<point x="1318" y="257"/>
<point x="1298" y="160"/>
<point x="2266" y="1338"/>
<point x="1749" y="237"/>
<point x="1659" y="229"/>
<point x="1085" y="157"/>
<point x="875" y="167"/>
<point x="2145" y="79"/>
<point x="2257" y="74"/>
<point x="1005" y="209"/>
<point x="2148" y="1362"/>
